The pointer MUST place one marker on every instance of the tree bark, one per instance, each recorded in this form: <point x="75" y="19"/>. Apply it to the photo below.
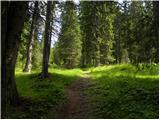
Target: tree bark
<point x="4" y="13"/>
<point x="12" y="19"/>
<point x="47" y="41"/>
<point x="28" y="65"/>
<point x="156" y="28"/>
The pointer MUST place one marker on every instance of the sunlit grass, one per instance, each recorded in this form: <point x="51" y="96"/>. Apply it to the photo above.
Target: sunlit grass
<point x="116" y="91"/>
<point x="71" y="72"/>
<point x="43" y="94"/>
<point x="148" y="76"/>
<point x="124" y="91"/>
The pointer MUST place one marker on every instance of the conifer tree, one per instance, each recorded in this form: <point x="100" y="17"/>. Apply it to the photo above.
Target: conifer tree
<point x="69" y="44"/>
<point x="106" y="14"/>
<point x="89" y="26"/>
<point x="97" y="31"/>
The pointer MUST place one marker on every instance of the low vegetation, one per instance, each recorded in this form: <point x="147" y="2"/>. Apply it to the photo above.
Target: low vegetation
<point x="115" y="91"/>
<point x="40" y="96"/>
<point x="124" y="91"/>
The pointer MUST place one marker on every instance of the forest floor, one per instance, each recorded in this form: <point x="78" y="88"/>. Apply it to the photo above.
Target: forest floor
<point x="77" y="105"/>
<point x="105" y="92"/>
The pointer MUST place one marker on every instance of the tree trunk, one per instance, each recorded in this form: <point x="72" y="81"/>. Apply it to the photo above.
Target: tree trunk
<point x="14" y="18"/>
<point x="83" y="60"/>
<point x="28" y="65"/>
<point x="156" y="28"/>
<point x="4" y="13"/>
<point x="47" y="41"/>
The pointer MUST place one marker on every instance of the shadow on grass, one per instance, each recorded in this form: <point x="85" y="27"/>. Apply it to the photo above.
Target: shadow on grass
<point x="118" y="93"/>
<point x="39" y="96"/>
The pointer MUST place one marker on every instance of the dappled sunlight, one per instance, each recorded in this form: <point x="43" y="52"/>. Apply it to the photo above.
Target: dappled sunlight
<point x="61" y="57"/>
<point x="122" y="70"/>
<point x="72" y="72"/>
<point x="123" y="91"/>
<point x="116" y="91"/>
<point x="44" y="94"/>
<point x="101" y="68"/>
<point x="151" y="77"/>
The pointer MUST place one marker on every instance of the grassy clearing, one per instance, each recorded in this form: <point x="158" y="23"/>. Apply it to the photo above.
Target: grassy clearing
<point x="116" y="91"/>
<point x="39" y="96"/>
<point x="123" y="91"/>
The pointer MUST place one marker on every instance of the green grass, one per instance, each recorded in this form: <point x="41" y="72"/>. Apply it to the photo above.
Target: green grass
<point x="40" y="96"/>
<point x="123" y="91"/>
<point x="116" y="91"/>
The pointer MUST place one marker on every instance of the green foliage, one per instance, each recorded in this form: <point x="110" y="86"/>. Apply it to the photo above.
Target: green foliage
<point x="125" y="57"/>
<point x="69" y="44"/>
<point x="107" y="32"/>
<point x="124" y="91"/>
<point x="37" y="55"/>
<point x="37" y="49"/>
<point x="39" y="97"/>
<point x="115" y="91"/>
<point x="51" y="57"/>
<point x="97" y="32"/>
<point x="23" y="46"/>
<point x="134" y="32"/>
<point x="89" y="28"/>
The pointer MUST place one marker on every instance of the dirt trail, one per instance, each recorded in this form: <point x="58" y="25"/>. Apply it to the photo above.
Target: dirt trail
<point x="77" y="105"/>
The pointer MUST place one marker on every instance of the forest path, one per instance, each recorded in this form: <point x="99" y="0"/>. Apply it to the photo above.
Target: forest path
<point x="77" y="105"/>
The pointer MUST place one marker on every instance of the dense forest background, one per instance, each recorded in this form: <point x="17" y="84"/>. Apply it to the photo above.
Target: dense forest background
<point x="92" y="34"/>
<point x="39" y="35"/>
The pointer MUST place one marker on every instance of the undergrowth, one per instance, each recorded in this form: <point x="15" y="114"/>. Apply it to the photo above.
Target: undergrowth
<point x="124" y="91"/>
<point x="39" y="96"/>
<point x="116" y="91"/>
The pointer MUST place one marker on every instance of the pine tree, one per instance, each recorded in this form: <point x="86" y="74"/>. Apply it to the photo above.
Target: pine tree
<point x="106" y="10"/>
<point x="156" y="30"/>
<point x="69" y="44"/>
<point x="97" y="31"/>
<point x="90" y="35"/>
<point x="21" y="58"/>
<point x="117" y="35"/>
